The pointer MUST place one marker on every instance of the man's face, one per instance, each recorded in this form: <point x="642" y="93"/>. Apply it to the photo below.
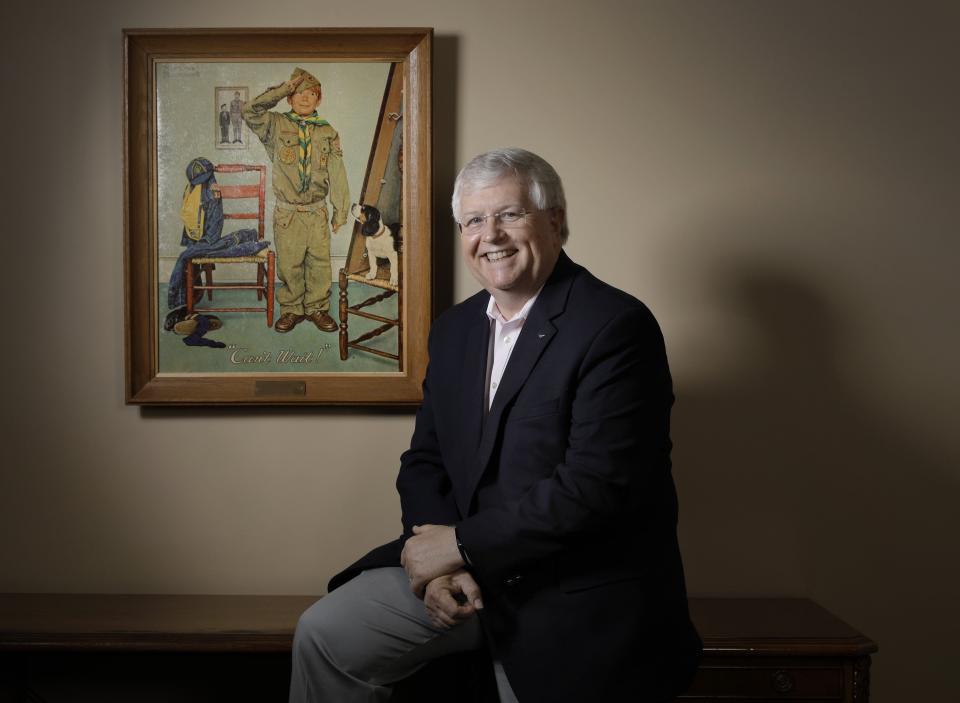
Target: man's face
<point x="514" y="260"/>
<point x="306" y="102"/>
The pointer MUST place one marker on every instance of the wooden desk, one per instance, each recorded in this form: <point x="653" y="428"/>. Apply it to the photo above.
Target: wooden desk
<point x="775" y="649"/>
<point x="755" y="649"/>
<point x="151" y="623"/>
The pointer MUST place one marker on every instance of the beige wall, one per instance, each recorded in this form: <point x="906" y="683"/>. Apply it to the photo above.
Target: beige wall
<point x="773" y="178"/>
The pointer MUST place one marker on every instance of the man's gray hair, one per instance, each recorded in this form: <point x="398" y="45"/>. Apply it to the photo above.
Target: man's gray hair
<point x="544" y="186"/>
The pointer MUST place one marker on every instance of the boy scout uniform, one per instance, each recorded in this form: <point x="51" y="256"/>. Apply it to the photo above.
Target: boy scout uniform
<point x="300" y="229"/>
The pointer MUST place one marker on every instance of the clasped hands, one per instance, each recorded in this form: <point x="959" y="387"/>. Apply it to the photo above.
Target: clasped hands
<point x="435" y="569"/>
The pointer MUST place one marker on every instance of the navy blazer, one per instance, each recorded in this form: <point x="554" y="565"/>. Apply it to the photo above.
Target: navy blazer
<point x="562" y="492"/>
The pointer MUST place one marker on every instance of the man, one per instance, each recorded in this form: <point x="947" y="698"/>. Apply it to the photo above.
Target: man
<point x="236" y="117"/>
<point x="224" y="124"/>
<point x="307" y="167"/>
<point x="539" y="512"/>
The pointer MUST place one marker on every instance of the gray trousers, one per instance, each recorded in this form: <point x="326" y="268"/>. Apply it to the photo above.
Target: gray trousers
<point x="351" y="645"/>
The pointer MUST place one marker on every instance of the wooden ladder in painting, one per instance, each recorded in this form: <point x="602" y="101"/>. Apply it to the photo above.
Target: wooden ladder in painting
<point x="385" y="160"/>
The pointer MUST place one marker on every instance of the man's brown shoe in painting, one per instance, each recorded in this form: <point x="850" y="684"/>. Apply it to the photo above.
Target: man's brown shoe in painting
<point x="288" y="321"/>
<point x="323" y="321"/>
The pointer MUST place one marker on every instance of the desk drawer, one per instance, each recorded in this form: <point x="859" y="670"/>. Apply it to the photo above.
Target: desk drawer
<point x="766" y="682"/>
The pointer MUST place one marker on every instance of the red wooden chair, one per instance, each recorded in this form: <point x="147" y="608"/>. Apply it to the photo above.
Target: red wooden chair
<point x="265" y="260"/>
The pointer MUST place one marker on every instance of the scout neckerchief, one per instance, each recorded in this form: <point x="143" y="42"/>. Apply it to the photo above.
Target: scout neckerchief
<point x="306" y="148"/>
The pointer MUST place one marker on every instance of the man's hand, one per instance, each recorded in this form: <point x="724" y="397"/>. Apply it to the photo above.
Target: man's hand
<point x="430" y="553"/>
<point x="452" y="598"/>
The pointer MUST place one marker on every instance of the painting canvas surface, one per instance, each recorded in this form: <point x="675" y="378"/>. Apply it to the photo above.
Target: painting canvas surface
<point x="196" y="113"/>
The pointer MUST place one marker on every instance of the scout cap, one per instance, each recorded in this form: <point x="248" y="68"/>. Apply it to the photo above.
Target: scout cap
<point x="309" y="80"/>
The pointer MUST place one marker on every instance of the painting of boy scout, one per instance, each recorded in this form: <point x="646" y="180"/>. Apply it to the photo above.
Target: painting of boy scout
<point x="312" y="196"/>
<point x="309" y="188"/>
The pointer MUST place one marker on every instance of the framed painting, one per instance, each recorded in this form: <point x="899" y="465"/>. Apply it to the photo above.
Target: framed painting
<point x="228" y="128"/>
<point x="277" y="215"/>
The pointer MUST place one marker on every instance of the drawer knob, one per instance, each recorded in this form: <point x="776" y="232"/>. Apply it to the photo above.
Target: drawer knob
<point x="782" y="682"/>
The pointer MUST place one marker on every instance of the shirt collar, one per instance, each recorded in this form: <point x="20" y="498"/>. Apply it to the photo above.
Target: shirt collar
<point x="493" y="312"/>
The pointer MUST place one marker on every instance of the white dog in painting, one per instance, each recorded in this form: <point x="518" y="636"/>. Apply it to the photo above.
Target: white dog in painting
<point x="382" y="241"/>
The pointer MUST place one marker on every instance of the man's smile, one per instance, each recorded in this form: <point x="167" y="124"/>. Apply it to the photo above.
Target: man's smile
<point x="500" y="254"/>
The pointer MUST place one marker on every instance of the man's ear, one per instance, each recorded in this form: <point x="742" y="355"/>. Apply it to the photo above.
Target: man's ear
<point x="557" y="218"/>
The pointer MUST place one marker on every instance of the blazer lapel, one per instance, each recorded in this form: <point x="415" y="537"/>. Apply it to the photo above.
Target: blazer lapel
<point x="475" y="372"/>
<point x="538" y="331"/>
<point x="472" y="401"/>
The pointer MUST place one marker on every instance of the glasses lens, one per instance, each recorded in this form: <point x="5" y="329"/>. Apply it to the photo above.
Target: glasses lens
<point x="475" y="224"/>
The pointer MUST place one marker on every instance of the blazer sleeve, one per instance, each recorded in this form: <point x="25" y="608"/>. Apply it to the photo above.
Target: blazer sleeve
<point x="426" y="493"/>
<point x="613" y="469"/>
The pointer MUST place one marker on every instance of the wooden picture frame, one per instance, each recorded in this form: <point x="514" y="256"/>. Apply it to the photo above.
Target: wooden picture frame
<point x="212" y="349"/>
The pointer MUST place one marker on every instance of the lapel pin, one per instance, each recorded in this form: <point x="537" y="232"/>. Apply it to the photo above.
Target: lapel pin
<point x="541" y="336"/>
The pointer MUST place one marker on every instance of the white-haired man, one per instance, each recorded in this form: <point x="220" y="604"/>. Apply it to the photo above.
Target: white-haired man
<point x="539" y="510"/>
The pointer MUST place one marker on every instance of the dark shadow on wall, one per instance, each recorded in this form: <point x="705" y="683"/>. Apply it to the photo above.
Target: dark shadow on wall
<point x="790" y="480"/>
<point x="446" y="68"/>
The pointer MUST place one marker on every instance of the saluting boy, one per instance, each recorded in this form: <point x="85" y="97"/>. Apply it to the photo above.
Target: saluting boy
<point x="307" y="169"/>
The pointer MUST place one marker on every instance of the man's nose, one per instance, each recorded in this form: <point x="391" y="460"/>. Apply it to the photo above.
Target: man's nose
<point x="492" y="229"/>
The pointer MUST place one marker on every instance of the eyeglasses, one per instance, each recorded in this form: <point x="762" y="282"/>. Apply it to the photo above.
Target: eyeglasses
<point x="507" y="219"/>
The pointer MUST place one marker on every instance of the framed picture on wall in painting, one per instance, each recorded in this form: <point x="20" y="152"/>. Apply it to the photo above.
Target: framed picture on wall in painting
<point x="277" y="215"/>
<point x="228" y="129"/>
